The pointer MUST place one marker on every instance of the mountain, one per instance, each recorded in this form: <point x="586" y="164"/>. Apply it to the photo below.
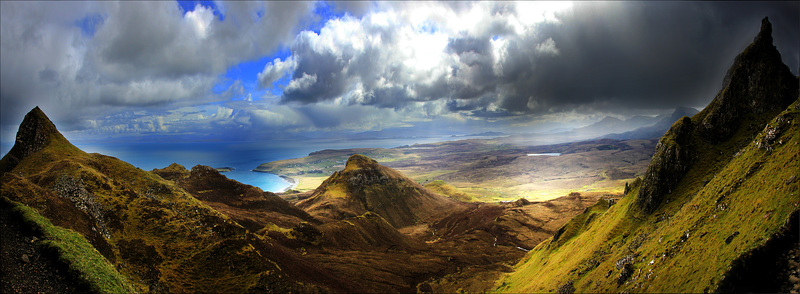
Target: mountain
<point x="636" y="127"/>
<point x="606" y="125"/>
<point x="366" y="186"/>
<point x="121" y="229"/>
<point x="716" y="211"/>
<point x="662" y="124"/>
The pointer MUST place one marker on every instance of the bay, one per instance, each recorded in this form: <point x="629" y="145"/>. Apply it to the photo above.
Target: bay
<point x="243" y="157"/>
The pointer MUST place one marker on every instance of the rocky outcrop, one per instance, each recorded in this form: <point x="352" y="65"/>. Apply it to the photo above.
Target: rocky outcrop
<point x="173" y="172"/>
<point x="758" y="82"/>
<point x="757" y="87"/>
<point x="35" y="132"/>
<point x="671" y="160"/>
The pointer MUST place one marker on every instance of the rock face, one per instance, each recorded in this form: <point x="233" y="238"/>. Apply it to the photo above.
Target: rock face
<point x="756" y="88"/>
<point x="366" y="186"/>
<point x="672" y="158"/>
<point x="35" y="132"/>
<point x="758" y="82"/>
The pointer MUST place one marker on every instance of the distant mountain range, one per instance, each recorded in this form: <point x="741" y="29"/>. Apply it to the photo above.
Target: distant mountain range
<point x="651" y="128"/>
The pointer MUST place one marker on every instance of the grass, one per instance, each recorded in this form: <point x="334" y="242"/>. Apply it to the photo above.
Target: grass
<point x="167" y="225"/>
<point x="440" y="187"/>
<point x="732" y="189"/>
<point x="74" y="250"/>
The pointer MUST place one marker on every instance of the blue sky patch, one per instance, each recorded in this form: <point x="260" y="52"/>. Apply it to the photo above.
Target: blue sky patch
<point x="323" y="12"/>
<point x="188" y="6"/>
<point x="90" y="23"/>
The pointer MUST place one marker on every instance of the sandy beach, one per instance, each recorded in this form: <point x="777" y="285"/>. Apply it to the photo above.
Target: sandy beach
<point x="292" y="183"/>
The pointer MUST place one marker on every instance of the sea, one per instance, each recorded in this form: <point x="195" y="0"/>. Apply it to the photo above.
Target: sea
<point x="243" y="157"/>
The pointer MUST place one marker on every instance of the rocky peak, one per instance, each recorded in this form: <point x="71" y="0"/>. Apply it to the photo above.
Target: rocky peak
<point x="358" y="161"/>
<point x="757" y="87"/>
<point x="35" y="133"/>
<point x="758" y="82"/>
<point x="204" y="170"/>
<point x="765" y="34"/>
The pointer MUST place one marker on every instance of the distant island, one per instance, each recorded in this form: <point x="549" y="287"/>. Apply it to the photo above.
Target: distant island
<point x="224" y="169"/>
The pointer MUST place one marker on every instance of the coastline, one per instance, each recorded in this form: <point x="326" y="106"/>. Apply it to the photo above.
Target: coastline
<point x="292" y="181"/>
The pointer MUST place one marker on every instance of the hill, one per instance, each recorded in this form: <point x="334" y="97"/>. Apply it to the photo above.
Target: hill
<point x="122" y="229"/>
<point x="247" y="205"/>
<point x="716" y="211"/>
<point x="109" y="227"/>
<point x="366" y="186"/>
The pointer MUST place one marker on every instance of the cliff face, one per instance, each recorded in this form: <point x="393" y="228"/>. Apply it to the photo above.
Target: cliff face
<point x="672" y="158"/>
<point x="757" y="83"/>
<point x="756" y="88"/>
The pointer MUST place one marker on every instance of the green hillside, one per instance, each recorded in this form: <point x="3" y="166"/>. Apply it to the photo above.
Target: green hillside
<point x="130" y="221"/>
<point x="716" y="210"/>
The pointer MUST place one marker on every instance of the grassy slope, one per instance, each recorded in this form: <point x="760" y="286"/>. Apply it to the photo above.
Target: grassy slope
<point x="442" y="188"/>
<point x="73" y="249"/>
<point x="681" y="247"/>
<point x="161" y="236"/>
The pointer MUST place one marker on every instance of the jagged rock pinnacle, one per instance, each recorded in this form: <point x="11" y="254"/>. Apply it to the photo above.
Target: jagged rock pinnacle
<point x="757" y="82"/>
<point x="35" y="133"/>
<point x="757" y="86"/>
<point x="765" y="34"/>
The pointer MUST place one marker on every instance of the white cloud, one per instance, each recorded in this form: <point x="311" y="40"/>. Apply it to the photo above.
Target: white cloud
<point x="302" y="83"/>
<point x="412" y="52"/>
<point x="200" y="19"/>
<point x="548" y="47"/>
<point x="276" y="70"/>
<point x="223" y="113"/>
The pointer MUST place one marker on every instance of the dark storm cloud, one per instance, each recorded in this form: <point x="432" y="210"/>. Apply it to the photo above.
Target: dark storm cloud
<point x="640" y="55"/>
<point x="319" y="76"/>
<point x="473" y="75"/>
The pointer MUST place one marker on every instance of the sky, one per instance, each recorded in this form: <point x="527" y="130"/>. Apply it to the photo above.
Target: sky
<point x="248" y="71"/>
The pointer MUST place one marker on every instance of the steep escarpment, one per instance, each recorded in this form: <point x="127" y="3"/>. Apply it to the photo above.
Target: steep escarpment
<point x="714" y="208"/>
<point x="756" y="87"/>
<point x="757" y="83"/>
<point x="366" y="186"/>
